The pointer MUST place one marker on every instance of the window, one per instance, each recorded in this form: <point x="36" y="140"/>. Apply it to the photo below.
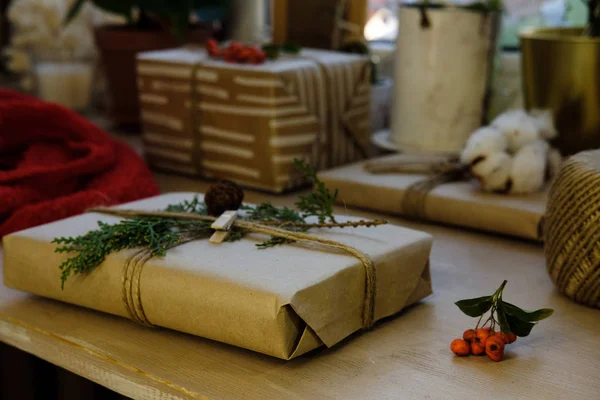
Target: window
<point x="382" y="20"/>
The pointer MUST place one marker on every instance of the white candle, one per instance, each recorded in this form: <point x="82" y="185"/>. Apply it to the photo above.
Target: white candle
<point x="441" y="73"/>
<point x="248" y="21"/>
<point x="64" y="82"/>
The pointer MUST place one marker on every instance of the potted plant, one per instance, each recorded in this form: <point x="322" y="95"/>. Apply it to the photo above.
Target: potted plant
<point x="560" y="72"/>
<point x="442" y="73"/>
<point x="150" y="25"/>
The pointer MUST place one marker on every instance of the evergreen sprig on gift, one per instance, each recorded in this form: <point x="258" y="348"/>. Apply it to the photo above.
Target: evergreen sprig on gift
<point x="510" y="318"/>
<point x="158" y="234"/>
<point x="320" y="202"/>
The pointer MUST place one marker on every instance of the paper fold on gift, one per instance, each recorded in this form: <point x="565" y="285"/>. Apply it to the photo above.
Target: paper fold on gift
<point x="459" y="203"/>
<point x="282" y="301"/>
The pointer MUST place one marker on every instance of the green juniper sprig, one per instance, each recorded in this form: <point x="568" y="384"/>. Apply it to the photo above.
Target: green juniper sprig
<point x="155" y="234"/>
<point x="268" y="212"/>
<point x="192" y="206"/>
<point x="320" y="201"/>
<point x="160" y="233"/>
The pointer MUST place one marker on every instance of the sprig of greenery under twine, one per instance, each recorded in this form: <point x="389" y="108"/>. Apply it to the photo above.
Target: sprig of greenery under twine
<point x="158" y="231"/>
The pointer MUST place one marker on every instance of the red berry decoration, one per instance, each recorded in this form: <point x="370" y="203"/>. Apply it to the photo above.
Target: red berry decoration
<point x="259" y="57"/>
<point x="460" y="347"/>
<point x="212" y="48"/>
<point x="236" y="53"/>
<point x="512" y="321"/>
<point x="244" y="55"/>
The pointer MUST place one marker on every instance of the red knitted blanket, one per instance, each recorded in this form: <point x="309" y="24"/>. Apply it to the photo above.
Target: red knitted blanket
<point x="55" y="164"/>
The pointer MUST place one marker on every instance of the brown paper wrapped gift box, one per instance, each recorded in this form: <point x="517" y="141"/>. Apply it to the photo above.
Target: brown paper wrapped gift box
<point x="283" y="301"/>
<point x="459" y="203"/>
<point x="246" y="122"/>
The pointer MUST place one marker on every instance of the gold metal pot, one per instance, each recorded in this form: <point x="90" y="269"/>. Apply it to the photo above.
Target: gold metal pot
<point x="561" y="71"/>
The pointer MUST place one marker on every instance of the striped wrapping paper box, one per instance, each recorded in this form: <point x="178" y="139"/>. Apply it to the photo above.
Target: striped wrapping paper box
<point x="247" y="123"/>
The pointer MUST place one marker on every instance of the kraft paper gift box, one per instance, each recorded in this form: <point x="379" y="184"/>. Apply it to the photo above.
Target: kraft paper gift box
<point x="459" y="203"/>
<point x="204" y="116"/>
<point x="283" y="301"/>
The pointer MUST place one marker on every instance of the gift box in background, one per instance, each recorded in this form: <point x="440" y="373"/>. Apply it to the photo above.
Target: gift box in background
<point x="283" y="301"/>
<point x="325" y="24"/>
<point x="248" y="122"/>
<point x="459" y="203"/>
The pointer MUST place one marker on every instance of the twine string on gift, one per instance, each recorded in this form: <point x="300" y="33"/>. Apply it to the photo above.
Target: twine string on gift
<point x="133" y="267"/>
<point x="440" y="170"/>
<point x="131" y="277"/>
<point x="348" y="128"/>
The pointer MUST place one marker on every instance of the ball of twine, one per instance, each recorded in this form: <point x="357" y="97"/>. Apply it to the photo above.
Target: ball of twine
<point x="572" y="229"/>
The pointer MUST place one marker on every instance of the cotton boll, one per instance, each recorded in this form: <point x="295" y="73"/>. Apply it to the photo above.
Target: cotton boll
<point x="544" y="122"/>
<point x="482" y="143"/>
<point x="518" y="128"/>
<point x="554" y="162"/>
<point x="482" y="169"/>
<point x="529" y="168"/>
<point x="497" y="180"/>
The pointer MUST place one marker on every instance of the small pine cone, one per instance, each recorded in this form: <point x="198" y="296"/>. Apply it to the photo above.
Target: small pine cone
<point x="222" y="196"/>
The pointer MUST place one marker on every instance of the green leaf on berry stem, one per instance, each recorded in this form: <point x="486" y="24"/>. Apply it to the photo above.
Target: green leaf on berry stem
<point x="502" y="320"/>
<point x="518" y="327"/>
<point x="527" y="316"/>
<point x="475" y="307"/>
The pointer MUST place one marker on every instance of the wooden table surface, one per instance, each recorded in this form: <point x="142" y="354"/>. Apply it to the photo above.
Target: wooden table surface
<point x="403" y="357"/>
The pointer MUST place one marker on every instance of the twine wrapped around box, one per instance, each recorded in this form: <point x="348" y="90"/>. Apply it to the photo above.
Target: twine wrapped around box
<point x="572" y="229"/>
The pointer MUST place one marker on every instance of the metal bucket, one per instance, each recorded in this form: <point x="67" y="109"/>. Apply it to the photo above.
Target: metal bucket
<point x="561" y="72"/>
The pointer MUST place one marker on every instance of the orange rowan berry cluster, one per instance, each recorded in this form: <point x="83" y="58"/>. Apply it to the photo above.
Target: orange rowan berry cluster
<point x="513" y="321"/>
<point x="236" y="52"/>
<point x="482" y="341"/>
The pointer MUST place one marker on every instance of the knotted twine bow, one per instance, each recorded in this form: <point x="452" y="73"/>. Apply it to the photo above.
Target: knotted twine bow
<point x="133" y="266"/>
<point x="441" y="169"/>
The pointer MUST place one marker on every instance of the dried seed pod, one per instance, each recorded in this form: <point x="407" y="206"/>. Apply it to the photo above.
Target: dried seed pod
<point x="222" y="196"/>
